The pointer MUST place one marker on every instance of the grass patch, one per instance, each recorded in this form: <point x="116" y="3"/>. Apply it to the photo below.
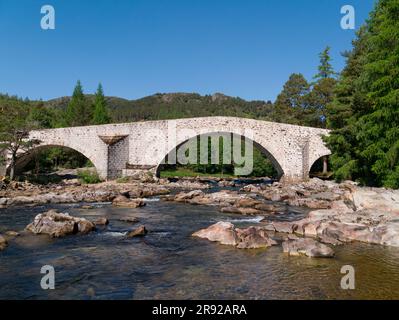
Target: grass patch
<point x="123" y="180"/>
<point x="89" y="176"/>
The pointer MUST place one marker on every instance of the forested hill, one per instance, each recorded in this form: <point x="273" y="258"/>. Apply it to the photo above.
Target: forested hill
<point x="177" y="105"/>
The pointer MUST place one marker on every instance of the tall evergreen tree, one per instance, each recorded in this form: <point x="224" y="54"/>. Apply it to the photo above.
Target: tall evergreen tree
<point x="323" y="90"/>
<point x="100" y="115"/>
<point x="79" y="111"/>
<point x="325" y="68"/>
<point x="344" y="111"/>
<point x="291" y="104"/>
<point x="372" y="103"/>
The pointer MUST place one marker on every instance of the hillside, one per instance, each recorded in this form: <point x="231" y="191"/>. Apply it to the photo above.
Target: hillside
<point x="178" y="105"/>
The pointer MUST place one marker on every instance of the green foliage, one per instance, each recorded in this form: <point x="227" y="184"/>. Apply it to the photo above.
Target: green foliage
<point x="123" y="180"/>
<point x="89" y="176"/>
<point x="79" y="111"/>
<point x="14" y="128"/>
<point x="225" y="167"/>
<point x="325" y="68"/>
<point x="100" y="115"/>
<point x="365" y="112"/>
<point x="291" y="105"/>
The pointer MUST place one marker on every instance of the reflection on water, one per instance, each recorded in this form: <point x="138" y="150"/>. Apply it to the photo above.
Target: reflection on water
<point x="169" y="264"/>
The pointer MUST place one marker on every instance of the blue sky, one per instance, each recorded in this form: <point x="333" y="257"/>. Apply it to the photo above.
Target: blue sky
<point x="245" y="48"/>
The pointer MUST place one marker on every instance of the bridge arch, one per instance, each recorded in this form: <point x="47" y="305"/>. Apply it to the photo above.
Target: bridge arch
<point x="264" y="148"/>
<point x="24" y="158"/>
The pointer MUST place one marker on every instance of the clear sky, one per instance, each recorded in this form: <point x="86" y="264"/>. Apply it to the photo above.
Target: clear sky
<point x="244" y="48"/>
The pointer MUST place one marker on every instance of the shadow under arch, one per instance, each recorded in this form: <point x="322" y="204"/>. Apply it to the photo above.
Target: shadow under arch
<point x="257" y="145"/>
<point x="23" y="159"/>
<point x="319" y="165"/>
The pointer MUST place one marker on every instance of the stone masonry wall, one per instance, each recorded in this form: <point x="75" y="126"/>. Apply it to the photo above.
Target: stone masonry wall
<point x="147" y="143"/>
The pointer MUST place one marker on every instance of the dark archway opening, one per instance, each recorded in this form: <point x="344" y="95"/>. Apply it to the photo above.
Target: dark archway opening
<point x="264" y="164"/>
<point x="52" y="164"/>
<point x="321" y="168"/>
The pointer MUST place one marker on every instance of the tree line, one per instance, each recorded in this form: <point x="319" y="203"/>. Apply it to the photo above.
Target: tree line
<point x="360" y="105"/>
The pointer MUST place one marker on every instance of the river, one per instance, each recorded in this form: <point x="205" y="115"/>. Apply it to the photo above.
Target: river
<point x="170" y="264"/>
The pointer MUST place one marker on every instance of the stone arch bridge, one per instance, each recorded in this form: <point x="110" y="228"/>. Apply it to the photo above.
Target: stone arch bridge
<point x="122" y="149"/>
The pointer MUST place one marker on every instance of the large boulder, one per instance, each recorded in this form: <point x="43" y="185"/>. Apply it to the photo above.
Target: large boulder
<point x="59" y="224"/>
<point x="388" y="234"/>
<point x="308" y="247"/>
<point x="222" y="232"/>
<point x="225" y="233"/>
<point x="376" y="199"/>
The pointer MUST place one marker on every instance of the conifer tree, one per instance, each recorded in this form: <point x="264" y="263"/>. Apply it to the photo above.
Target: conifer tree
<point x="79" y="111"/>
<point x="291" y="103"/>
<point x="366" y="110"/>
<point x="100" y="115"/>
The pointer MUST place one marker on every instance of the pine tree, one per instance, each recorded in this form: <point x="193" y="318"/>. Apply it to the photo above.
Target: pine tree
<point x="322" y="91"/>
<point x="100" y="115"/>
<point x="371" y="104"/>
<point x="344" y="111"/>
<point x="291" y="103"/>
<point x="325" y="68"/>
<point x="79" y="110"/>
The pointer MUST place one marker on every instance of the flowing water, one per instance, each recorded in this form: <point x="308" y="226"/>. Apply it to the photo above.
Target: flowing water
<point x="170" y="264"/>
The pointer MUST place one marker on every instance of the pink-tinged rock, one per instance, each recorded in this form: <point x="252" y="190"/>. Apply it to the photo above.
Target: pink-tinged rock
<point x="308" y="247"/>
<point x="222" y="232"/>
<point x="310" y="229"/>
<point x="254" y="238"/>
<point x="376" y="199"/>
<point x="59" y="224"/>
<point x="388" y="234"/>
<point x="283" y="227"/>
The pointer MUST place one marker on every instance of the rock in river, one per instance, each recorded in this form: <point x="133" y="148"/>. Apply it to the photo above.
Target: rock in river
<point x="222" y="232"/>
<point x="129" y="219"/>
<point x="308" y="247"/>
<point x="3" y="243"/>
<point x="123" y="201"/>
<point x="59" y="224"/>
<point x="225" y="233"/>
<point x="139" y="232"/>
<point x="101" y="221"/>
<point x="254" y="238"/>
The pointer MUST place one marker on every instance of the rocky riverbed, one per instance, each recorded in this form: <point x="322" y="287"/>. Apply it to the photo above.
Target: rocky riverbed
<point x="72" y="191"/>
<point x="338" y="212"/>
<point x="227" y="240"/>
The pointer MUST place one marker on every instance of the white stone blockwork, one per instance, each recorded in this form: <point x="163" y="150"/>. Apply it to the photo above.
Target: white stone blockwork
<point x="292" y="149"/>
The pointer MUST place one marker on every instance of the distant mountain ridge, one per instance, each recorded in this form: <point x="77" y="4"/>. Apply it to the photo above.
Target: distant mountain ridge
<point x="177" y="105"/>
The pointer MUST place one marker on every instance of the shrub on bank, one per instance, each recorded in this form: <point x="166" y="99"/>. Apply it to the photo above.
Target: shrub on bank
<point x="89" y="176"/>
